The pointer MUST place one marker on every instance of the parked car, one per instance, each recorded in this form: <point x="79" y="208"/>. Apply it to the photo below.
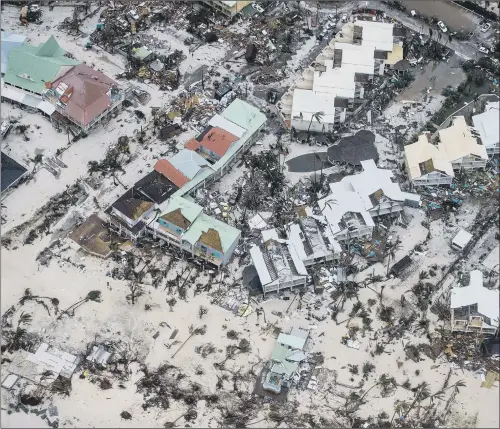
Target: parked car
<point x="485" y="27"/>
<point x="484" y="50"/>
<point x="344" y="17"/>
<point x="442" y="27"/>
<point x="257" y="8"/>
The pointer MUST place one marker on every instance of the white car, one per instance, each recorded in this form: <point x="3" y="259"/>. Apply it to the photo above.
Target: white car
<point x="257" y="8"/>
<point x="485" y="27"/>
<point x="344" y="17"/>
<point x="442" y="27"/>
<point x="484" y="50"/>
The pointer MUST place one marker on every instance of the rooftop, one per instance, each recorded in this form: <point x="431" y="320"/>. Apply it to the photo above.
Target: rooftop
<point x="374" y="183"/>
<point x="187" y="209"/>
<point x="30" y="67"/>
<point x="335" y="81"/>
<point x="306" y="103"/>
<point x="156" y="187"/>
<point x="296" y="343"/>
<point x="213" y="139"/>
<point x="132" y="205"/>
<point x="457" y="141"/>
<point x="277" y="259"/>
<point x="165" y="168"/>
<point x="487" y="124"/>
<point x="9" y="41"/>
<point x="188" y="162"/>
<point x="212" y="232"/>
<point x="357" y="58"/>
<point x="486" y="299"/>
<point x="424" y="152"/>
<point x="11" y="171"/>
<point x="378" y="35"/>
<point x="84" y="93"/>
<point x="94" y="236"/>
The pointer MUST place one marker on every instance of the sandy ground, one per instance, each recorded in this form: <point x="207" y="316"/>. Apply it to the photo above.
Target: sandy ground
<point x="115" y="319"/>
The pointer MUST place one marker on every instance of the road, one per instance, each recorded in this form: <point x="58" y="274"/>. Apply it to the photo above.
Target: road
<point x="451" y="14"/>
<point x="464" y="49"/>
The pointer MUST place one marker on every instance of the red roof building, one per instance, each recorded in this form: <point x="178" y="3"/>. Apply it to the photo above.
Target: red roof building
<point x="215" y="141"/>
<point x="83" y="94"/>
<point x="165" y="167"/>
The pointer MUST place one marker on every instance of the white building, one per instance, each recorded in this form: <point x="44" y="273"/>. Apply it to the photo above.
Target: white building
<point x="358" y="199"/>
<point x="474" y="307"/>
<point x="426" y="165"/>
<point x="459" y="146"/>
<point x="461" y="240"/>
<point x="487" y="124"/>
<point x="313" y="240"/>
<point x="357" y="59"/>
<point x="278" y="265"/>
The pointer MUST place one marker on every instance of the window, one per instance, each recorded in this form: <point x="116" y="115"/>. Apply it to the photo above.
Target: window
<point x="179" y="231"/>
<point x="203" y="248"/>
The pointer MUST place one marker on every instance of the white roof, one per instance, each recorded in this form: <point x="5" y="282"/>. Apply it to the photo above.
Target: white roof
<point x="422" y="151"/>
<point x="357" y="58"/>
<point x="340" y="202"/>
<point x="337" y="82"/>
<point x="260" y="265"/>
<point x="371" y="180"/>
<point x="188" y="162"/>
<point x="270" y="234"/>
<point x="377" y="35"/>
<point x="226" y="124"/>
<point x="291" y="341"/>
<point x="457" y="141"/>
<point x="257" y="222"/>
<point x="462" y="238"/>
<point x="487" y="124"/>
<point x="476" y="293"/>
<point x="492" y="261"/>
<point x="297" y="261"/>
<point x="306" y="103"/>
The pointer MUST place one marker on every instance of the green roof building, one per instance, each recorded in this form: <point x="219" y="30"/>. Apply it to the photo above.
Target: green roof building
<point x="30" y="67"/>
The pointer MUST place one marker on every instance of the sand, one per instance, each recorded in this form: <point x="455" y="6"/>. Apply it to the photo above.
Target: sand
<point x="133" y="326"/>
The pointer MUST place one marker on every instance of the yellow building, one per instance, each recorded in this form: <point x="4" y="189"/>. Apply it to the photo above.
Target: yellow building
<point x="228" y="8"/>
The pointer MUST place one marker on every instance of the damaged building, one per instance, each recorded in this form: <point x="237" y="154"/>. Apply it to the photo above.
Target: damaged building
<point x="182" y="223"/>
<point x="74" y="96"/>
<point x="487" y="125"/>
<point x="278" y="264"/>
<point x="336" y="79"/>
<point x="474" y="308"/>
<point x="313" y="239"/>
<point x="358" y="199"/>
<point x="460" y="146"/>
<point x="426" y="165"/>
<point x="227" y="8"/>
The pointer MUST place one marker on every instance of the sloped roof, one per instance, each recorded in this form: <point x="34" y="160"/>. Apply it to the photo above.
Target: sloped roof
<point x="487" y="124"/>
<point x="188" y="162"/>
<point x="212" y="232"/>
<point x="476" y="293"/>
<point x="371" y="181"/>
<point x="423" y="151"/>
<point x="11" y="171"/>
<point x="90" y="93"/>
<point x="29" y="67"/>
<point x="9" y="41"/>
<point x="188" y="209"/>
<point x="165" y="167"/>
<point x="457" y="141"/>
<point x="130" y="205"/>
<point x="216" y="140"/>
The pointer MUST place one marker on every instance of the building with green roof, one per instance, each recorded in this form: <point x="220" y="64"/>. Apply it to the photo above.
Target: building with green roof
<point x="31" y="67"/>
<point x="211" y="239"/>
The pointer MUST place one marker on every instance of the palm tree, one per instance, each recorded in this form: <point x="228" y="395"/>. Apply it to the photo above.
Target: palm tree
<point x="391" y="253"/>
<point x="318" y="116"/>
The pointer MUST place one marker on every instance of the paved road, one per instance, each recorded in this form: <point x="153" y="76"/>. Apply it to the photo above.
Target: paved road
<point x="466" y="50"/>
<point x="451" y="14"/>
